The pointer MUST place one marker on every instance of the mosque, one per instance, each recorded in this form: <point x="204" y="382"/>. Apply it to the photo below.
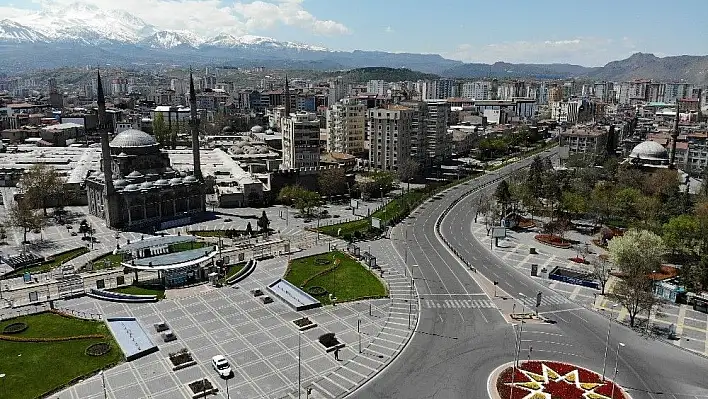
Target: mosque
<point x="137" y="189"/>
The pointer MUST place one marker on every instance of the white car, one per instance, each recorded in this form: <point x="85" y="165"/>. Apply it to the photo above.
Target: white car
<point x="221" y="365"/>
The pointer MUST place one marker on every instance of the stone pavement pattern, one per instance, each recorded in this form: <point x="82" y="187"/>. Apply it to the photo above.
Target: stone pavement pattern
<point x="260" y="341"/>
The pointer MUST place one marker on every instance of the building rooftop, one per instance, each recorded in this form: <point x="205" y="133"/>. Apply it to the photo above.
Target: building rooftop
<point x="133" y="138"/>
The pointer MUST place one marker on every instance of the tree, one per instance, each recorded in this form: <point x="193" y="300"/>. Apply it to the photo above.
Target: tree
<point x="24" y="217"/>
<point x="307" y="200"/>
<point x="3" y="233"/>
<point x="637" y="254"/>
<point x="601" y="201"/>
<point x="263" y="223"/>
<point x="503" y="195"/>
<point x="575" y="204"/>
<point x="41" y="184"/>
<point x="159" y="129"/>
<point x="681" y="234"/>
<point x="700" y="210"/>
<point x="332" y="182"/>
<point x="601" y="271"/>
<point x="408" y="169"/>
<point x="249" y="229"/>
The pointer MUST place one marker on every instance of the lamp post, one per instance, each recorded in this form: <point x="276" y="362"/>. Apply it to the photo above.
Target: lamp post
<point x="299" y="366"/>
<point x="614" y="379"/>
<point x="607" y="343"/>
<point x="103" y="383"/>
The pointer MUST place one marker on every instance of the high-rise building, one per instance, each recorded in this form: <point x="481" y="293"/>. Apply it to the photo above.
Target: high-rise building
<point x="301" y="140"/>
<point x="477" y="90"/>
<point x="346" y="127"/>
<point x="438" y="147"/>
<point x="389" y="130"/>
<point x="378" y="87"/>
<point x="438" y="89"/>
<point x="337" y="90"/>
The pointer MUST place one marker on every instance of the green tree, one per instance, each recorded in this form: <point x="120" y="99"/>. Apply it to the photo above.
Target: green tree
<point x="24" y="217"/>
<point x="503" y="195"/>
<point x="332" y="182"/>
<point x="602" y="201"/>
<point x="407" y="170"/>
<point x="41" y="185"/>
<point x="249" y="229"/>
<point x="681" y="234"/>
<point x="575" y="204"/>
<point x="306" y="201"/>
<point x="637" y="254"/>
<point x="160" y="130"/>
<point x="626" y="201"/>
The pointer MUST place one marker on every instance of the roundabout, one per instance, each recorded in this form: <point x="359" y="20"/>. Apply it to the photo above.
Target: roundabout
<point x="545" y="379"/>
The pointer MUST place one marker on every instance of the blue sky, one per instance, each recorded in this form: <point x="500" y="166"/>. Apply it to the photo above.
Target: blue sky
<point x="591" y="32"/>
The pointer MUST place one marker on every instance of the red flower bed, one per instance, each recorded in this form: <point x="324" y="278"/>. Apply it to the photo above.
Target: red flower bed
<point x="538" y="379"/>
<point x="552" y="240"/>
<point x="580" y="260"/>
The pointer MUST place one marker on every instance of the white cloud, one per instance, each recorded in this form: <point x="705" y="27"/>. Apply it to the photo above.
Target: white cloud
<point x="589" y="51"/>
<point x="208" y="17"/>
<point x="388" y="29"/>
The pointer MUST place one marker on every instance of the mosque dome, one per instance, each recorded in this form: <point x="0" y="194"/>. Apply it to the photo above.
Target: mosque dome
<point x="162" y="182"/>
<point x="133" y="138"/>
<point x="135" y="175"/>
<point x="131" y="187"/>
<point x="146" y="185"/>
<point x="120" y="183"/>
<point x="227" y="129"/>
<point x="649" y="150"/>
<point x="257" y="129"/>
<point x="190" y="179"/>
<point x="176" y="181"/>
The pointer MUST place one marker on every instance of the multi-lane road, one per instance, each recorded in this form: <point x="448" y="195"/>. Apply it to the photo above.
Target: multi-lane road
<point x="460" y="339"/>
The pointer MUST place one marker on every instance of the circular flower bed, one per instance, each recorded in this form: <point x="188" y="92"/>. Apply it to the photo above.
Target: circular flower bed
<point x="98" y="349"/>
<point x="579" y="260"/>
<point x="552" y="240"/>
<point x="322" y="261"/>
<point x="316" y="290"/>
<point x="15" y="328"/>
<point x="555" y="380"/>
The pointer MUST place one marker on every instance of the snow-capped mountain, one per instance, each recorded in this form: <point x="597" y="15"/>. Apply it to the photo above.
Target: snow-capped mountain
<point x="166" y="39"/>
<point x="13" y="32"/>
<point x="87" y="24"/>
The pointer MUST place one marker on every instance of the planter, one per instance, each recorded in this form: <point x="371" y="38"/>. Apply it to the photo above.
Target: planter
<point x="541" y="379"/>
<point x="330" y="342"/>
<point x="181" y="360"/>
<point x="552" y="240"/>
<point x="15" y="328"/>
<point x="304" y="324"/>
<point x="201" y="388"/>
<point x="98" y="349"/>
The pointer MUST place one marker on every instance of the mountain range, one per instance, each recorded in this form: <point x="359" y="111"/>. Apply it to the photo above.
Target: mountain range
<point x="81" y="34"/>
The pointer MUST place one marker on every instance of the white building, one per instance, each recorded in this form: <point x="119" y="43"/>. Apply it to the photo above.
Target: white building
<point x="437" y="141"/>
<point x="438" y="89"/>
<point x="565" y="111"/>
<point x="389" y="130"/>
<point x="377" y="87"/>
<point x="346" y="127"/>
<point x="337" y="90"/>
<point x="477" y="90"/>
<point x="301" y="140"/>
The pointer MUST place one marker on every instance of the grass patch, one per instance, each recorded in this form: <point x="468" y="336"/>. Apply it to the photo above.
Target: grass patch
<point x="186" y="246"/>
<point x="233" y="269"/>
<point x="46" y="366"/>
<point x="350" y="281"/>
<point x="138" y="290"/>
<point x="114" y="260"/>
<point x="48" y="265"/>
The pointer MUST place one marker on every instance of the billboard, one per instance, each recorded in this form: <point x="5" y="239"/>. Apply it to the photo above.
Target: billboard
<point x="376" y="223"/>
<point x="498" y="232"/>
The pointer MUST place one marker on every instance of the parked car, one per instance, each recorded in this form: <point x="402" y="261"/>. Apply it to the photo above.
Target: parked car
<point x="221" y="365"/>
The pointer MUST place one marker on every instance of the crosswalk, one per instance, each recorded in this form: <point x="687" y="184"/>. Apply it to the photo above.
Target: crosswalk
<point x="456" y="303"/>
<point x="545" y="300"/>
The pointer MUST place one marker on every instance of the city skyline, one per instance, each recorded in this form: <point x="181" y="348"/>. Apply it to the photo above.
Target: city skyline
<point x="539" y="32"/>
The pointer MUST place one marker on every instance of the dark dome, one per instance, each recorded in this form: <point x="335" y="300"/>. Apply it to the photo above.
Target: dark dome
<point x="227" y="129"/>
<point x="133" y="138"/>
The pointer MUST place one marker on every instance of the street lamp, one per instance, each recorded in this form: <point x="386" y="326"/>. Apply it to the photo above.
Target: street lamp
<point x="614" y="379"/>
<point x="103" y="383"/>
<point x="299" y="366"/>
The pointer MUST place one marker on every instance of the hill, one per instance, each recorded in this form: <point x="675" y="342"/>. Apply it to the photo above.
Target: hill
<point x="689" y="68"/>
<point x="382" y="73"/>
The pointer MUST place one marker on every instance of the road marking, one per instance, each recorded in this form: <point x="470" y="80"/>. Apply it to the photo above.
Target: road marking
<point x="575" y="293"/>
<point x="559" y="311"/>
<point x="557" y="352"/>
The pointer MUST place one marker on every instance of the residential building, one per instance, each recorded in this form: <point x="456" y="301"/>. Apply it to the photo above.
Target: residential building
<point x="480" y="90"/>
<point x="389" y="130"/>
<point x="565" y="111"/>
<point x="346" y="127"/>
<point x="337" y="90"/>
<point x="555" y="94"/>
<point x="438" y="147"/>
<point x="584" y="140"/>
<point x="301" y="140"/>
<point x="378" y="87"/>
<point x="438" y="89"/>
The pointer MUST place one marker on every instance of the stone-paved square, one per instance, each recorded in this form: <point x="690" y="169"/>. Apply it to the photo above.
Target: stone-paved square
<point x="257" y="369"/>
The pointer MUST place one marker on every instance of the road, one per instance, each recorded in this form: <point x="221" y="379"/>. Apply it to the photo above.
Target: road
<point x="459" y="340"/>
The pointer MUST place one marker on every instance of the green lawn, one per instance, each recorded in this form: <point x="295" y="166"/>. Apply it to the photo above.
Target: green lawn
<point x="350" y="281"/>
<point x="51" y="264"/>
<point x="32" y="369"/>
<point x="113" y="261"/>
<point x="138" y="290"/>
<point x="186" y="246"/>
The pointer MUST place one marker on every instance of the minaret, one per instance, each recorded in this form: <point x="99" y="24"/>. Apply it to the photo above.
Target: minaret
<point x="194" y="122"/>
<point x="674" y="137"/>
<point x="103" y="131"/>
<point x="287" y="97"/>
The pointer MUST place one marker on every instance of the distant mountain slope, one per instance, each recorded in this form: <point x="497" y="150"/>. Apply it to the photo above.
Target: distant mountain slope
<point x="689" y="68"/>
<point x="507" y="70"/>
<point x="382" y="73"/>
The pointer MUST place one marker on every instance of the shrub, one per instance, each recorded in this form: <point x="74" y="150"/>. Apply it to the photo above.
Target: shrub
<point x="316" y="290"/>
<point x="328" y="340"/>
<point x="15" y="328"/>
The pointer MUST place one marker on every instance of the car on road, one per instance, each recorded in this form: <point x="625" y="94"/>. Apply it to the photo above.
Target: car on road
<point x="221" y="365"/>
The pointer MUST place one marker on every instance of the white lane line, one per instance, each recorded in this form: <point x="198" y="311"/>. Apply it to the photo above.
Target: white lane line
<point x="557" y="352"/>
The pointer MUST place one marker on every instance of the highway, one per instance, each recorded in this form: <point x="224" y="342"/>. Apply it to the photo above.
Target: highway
<point x="457" y="345"/>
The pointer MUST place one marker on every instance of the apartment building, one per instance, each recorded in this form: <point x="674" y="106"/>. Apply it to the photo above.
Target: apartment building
<point x="346" y="127"/>
<point x="584" y="140"/>
<point x="377" y="87"/>
<point x="438" y="89"/>
<point x="480" y="90"/>
<point x="438" y="142"/>
<point x="389" y="130"/>
<point x="301" y="140"/>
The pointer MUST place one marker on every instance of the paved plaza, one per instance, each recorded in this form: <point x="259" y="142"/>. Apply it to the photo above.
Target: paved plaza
<point x="260" y="341"/>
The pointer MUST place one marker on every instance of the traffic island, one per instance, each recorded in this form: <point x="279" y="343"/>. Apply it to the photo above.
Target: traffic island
<point x="545" y="379"/>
